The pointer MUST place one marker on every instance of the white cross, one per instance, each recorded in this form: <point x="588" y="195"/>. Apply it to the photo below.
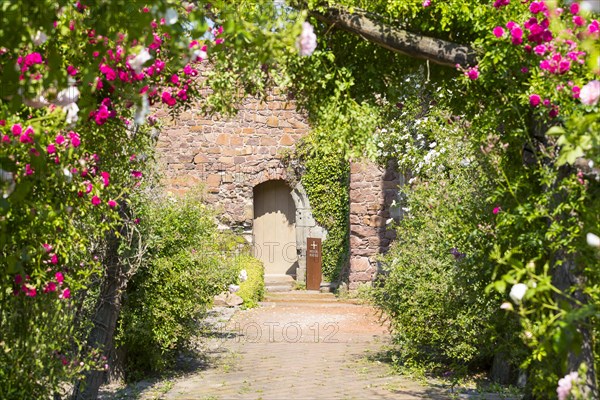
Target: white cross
<point x="313" y="245"/>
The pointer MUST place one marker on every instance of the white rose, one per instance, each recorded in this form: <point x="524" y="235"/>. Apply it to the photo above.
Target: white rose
<point x="517" y="292"/>
<point x="71" y="109"/>
<point x="67" y="96"/>
<point x="39" y="38"/>
<point x="243" y="275"/>
<point x="593" y="240"/>
<point x="171" y="16"/>
<point x="138" y="61"/>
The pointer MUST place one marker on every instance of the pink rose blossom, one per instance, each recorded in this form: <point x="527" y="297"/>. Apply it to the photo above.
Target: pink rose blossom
<point x="473" y="73"/>
<point x="59" y="277"/>
<point x="537" y="6"/>
<point x="307" y="41"/>
<point x="136" y="174"/>
<point x="105" y="178"/>
<point x="50" y="287"/>
<point x="66" y="293"/>
<point x="112" y="203"/>
<point x="426" y="3"/>
<point x="579" y="21"/>
<point x="168" y="99"/>
<point x="16" y="129"/>
<point x="501" y="3"/>
<point x="590" y="93"/>
<point x="574" y="8"/>
<point x="496" y="210"/>
<point x="96" y="200"/>
<point x="75" y="141"/>
<point x="566" y="384"/>
<point x="60" y="139"/>
<point x="498" y="31"/>
<point x="28" y="170"/>
<point x="534" y="100"/>
<point x="576" y="90"/>
<point x="51" y="148"/>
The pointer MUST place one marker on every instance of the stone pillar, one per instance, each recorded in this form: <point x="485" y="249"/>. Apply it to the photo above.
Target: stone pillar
<point x="372" y="191"/>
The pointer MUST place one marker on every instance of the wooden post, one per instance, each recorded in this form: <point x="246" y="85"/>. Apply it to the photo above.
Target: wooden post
<point x="313" y="264"/>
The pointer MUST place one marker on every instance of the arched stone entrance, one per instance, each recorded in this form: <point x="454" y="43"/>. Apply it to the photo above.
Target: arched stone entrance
<point x="274" y="228"/>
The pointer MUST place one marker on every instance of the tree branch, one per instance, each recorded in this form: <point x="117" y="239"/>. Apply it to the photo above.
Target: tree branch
<point x="400" y="41"/>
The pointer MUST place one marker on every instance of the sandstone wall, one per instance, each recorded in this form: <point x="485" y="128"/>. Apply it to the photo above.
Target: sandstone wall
<point x="372" y="191"/>
<point x="230" y="156"/>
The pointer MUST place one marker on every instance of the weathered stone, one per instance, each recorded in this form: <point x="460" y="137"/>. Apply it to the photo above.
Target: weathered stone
<point x="233" y="300"/>
<point x="220" y="300"/>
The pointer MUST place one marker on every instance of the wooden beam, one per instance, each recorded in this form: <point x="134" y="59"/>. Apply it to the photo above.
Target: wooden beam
<point x="400" y="41"/>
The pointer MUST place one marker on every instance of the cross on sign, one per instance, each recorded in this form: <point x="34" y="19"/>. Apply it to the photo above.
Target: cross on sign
<point x="313" y="245"/>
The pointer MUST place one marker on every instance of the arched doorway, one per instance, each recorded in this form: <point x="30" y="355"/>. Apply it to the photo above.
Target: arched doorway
<point x="274" y="228"/>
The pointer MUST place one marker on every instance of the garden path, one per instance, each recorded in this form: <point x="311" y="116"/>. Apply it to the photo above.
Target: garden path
<point x="299" y="345"/>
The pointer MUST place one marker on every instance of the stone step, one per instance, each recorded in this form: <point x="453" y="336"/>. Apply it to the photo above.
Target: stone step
<point x="279" y="289"/>
<point x="279" y="283"/>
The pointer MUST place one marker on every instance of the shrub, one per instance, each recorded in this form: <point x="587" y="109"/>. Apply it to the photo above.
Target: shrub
<point x="185" y="267"/>
<point x="253" y="289"/>
<point x="437" y="271"/>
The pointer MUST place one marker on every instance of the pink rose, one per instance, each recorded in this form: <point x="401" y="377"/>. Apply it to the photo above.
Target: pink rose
<point x="534" y="100"/>
<point x="590" y="93"/>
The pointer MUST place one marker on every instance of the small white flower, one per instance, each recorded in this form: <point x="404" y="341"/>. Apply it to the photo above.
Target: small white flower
<point x="142" y="111"/>
<point x="593" y="240"/>
<point x="71" y="109"/>
<point x="233" y="288"/>
<point x="67" y="96"/>
<point x="243" y="275"/>
<point x="199" y="54"/>
<point x="171" y="16"/>
<point x="506" y="306"/>
<point x="68" y="174"/>
<point x="307" y="41"/>
<point x="36" y="102"/>
<point x="517" y="292"/>
<point x="138" y="61"/>
<point x="39" y="38"/>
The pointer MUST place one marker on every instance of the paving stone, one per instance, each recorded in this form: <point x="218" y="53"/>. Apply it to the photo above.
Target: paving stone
<point x="301" y="346"/>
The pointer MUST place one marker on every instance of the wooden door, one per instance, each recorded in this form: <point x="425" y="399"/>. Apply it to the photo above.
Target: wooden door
<point x="274" y="228"/>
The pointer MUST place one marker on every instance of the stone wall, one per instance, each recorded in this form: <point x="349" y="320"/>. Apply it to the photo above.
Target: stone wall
<point x="372" y="191"/>
<point x="230" y="156"/>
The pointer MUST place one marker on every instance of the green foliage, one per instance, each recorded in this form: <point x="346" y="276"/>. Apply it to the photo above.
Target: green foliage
<point x="184" y="269"/>
<point x="326" y="178"/>
<point x="252" y="290"/>
<point x="442" y="246"/>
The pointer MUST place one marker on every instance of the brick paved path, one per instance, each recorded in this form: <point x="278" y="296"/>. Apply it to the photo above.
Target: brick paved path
<point x="300" y="346"/>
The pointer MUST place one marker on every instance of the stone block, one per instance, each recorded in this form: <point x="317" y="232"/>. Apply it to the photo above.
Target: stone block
<point x="286" y="140"/>
<point x="213" y="180"/>
<point x="223" y="139"/>
<point x="273" y="121"/>
<point x="359" y="264"/>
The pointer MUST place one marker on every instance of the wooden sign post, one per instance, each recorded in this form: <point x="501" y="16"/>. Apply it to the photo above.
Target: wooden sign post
<point x="313" y="264"/>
